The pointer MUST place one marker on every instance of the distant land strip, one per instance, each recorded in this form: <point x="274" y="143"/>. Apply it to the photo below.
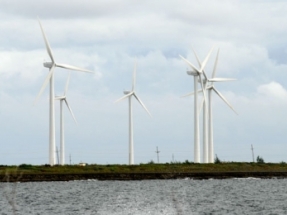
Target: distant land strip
<point x="149" y="171"/>
<point x="140" y="176"/>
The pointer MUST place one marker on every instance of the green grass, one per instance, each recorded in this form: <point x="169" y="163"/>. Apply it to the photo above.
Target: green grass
<point x="185" y="167"/>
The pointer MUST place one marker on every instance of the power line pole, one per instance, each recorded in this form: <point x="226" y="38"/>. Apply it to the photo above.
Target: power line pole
<point x="70" y="160"/>
<point x="157" y="151"/>
<point x="252" y="152"/>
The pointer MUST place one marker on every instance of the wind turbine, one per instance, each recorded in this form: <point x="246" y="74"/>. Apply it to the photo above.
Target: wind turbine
<point x="196" y="73"/>
<point x="207" y="109"/>
<point x="210" y="121"/>
<point x="130" y="94"/>
<point x="62" y="99"/>
<point x="50" y="78"/>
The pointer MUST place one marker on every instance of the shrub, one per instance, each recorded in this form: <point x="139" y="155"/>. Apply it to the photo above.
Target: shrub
<point x="175" y="162"/>
<point x="186" y="162"/>
<point x="151" y="162"/>
<point x="25" y="166"/>
<point x="259" y="159"/>
<point x="216" y="159"/>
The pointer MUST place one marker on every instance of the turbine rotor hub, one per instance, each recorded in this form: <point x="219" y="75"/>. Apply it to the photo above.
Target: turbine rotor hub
<point x="204" y="81"/>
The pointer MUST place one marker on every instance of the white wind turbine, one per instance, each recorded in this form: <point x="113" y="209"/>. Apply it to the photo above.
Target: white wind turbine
<point x="130" y="94"/>
<point x="50" y="78"/>
<point x="207" y="109"/>
<point x="62" y="99"/>
<point x="211" y="88"/>
<point x="196" y="73"/>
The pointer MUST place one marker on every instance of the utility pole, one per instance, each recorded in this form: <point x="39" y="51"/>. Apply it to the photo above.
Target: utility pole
<point x="252" y="153"/>
<point x="157" y="151"/>
<point x="70" y="160"/>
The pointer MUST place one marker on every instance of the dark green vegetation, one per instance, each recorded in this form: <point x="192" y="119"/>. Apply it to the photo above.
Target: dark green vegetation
<point x="148" y="168"/>
<point x="259" y="159"/>
<point x="217" y="160"/>
<point x="144" y="171"/>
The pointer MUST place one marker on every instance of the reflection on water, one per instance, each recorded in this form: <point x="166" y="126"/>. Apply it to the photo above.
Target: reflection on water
<point x="230" y="196"/>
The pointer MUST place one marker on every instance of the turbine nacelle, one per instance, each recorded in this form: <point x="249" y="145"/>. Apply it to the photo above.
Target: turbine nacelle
<point x="126" y="92"/>
<point x="194" y="73"/>
<point x="60" y="97"/>
<point x="48" y="64"/>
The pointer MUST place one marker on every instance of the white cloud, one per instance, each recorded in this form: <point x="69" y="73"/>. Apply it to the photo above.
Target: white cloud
<point x="272" y="91"/>
<point x="107" y="37"/>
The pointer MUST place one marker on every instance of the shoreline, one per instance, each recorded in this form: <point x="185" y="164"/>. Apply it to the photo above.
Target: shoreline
<point x="139" y="176"/>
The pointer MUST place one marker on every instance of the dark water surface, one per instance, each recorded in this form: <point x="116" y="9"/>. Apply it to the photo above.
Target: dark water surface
<point x="230" y="196"/>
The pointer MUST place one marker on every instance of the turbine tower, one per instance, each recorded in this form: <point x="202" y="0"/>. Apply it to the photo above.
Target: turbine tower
<point x="205" y="117"/>
<point x="130" y="94"/>
<point x="207" y="109"/>
<point x="210" y="120"/>
<point x="62" y="99"/>
<point x="196" y="73"/>
<point x="50" y="78"/>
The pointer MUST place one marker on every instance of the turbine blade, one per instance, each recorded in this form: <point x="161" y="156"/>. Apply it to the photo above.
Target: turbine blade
<point x="203" y="87"/>
<point x="142" y="104"/>
<point x="215" y="65"/>
<point x="201" y="105"/>
<point x="205" y="60"/>
<point x="68" y="106"/>
<point x="134" y="77"/>
<point x="224" y="99"/>
<point x="205" y="76"/>
<point x="48" y="48"/>
<point x="66" y="66"/>
<point x="190" y="94"/>
<point x="67" y="84"/>
<point x="190" y="64"/>
<point x="209" y="87"/>
<point x="186" y="95"/>
<point x="221" y="79"/>
<point x="45" y="83"/>
<point x="197" y="58"/>
<point x="199" y="63"/>
<point x="125" y="96"/>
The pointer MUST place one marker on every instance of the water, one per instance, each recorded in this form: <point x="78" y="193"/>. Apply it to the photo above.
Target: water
<point x="230" y="196"/>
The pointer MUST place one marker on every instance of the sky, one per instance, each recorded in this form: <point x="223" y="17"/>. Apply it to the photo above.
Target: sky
<point x="108" y="37"/>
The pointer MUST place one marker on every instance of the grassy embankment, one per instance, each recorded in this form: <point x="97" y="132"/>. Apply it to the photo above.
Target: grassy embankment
<point x="148" y="168"/>
<point x="143" y="171"/>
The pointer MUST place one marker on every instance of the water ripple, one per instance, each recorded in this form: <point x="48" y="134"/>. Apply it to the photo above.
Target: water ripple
<point x="169" y="197"/>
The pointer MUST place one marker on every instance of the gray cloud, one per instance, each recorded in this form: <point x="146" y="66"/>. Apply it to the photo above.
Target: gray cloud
<point x="107" y="37"/>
